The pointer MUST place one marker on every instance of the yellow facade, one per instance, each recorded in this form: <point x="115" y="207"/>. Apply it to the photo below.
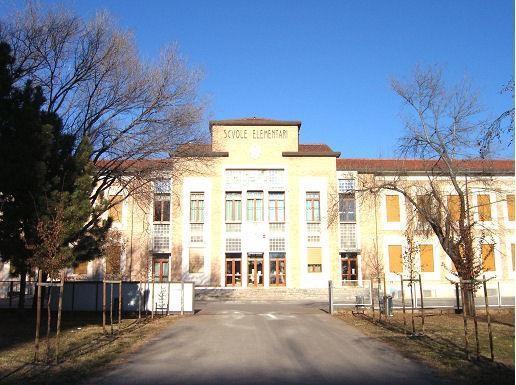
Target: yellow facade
<point x="323" y="233"/>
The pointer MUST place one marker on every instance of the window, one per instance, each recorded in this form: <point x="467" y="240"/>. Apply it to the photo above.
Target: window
<point x="81" y="268"/>
<point x="454" y="207"/>
<point x="426" y="255"/>
<point x="112" y="257"/>
<point x="347" y="207"/>
<point x="510" y="207"/>
<point x="395" y="259"/>
<point x="233" y="207"/>
<point x="196" y="260"/>
<point x="313" y="207"/>
<point x="233" y="244"/>
<point x="255" y="206"/>
<point x="277" y="207"/>
<point x="161" y="208"/>
<point x="348" y="236"/>
<point x="115" y="211"/>
<point x="277" y="244"/>
<point x="392" y="203"/>
<point x="161" y="237"/>
<point x="488" y="259"/>
<point x="425" y="205"/>
<point x="484" y="207"/>
<point x="196" y="207"/>
<point x="314" y="259"/>
<point x="346" y="185"/>
<point x="160" y="268"/>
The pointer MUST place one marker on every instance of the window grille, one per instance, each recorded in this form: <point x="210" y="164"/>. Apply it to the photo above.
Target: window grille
<point x="314" y="238"/>
<point x="233" y="227"/>
<point x="162" y="186"/>
<point x="348" y="238"/>
<point x="277" y="244"/>
<point x="277" y="227"/>
<point x="313" y="227"/>
<point x="346" y="185"/>
<point x="233" y="245"/>
<point x="161" y="238"/>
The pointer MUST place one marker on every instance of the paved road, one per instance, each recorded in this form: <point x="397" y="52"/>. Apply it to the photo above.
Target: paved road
<point x="283" y="343"/>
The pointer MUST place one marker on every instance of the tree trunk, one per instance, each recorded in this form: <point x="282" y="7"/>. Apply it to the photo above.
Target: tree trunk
<point x="468" y="307"/>
<point x="23" y="285"/>
<point x="38" y="315"/>
<point x="59" y="310"/>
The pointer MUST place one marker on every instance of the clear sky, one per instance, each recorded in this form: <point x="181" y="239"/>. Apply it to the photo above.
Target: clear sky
<point x="326" y="63"/>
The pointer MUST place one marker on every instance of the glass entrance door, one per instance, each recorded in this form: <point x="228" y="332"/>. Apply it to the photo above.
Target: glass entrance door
<point x="255" y="269"/>
<point x="278" y="269"/>
<point x="233" y="269"/>
<point x="349" y="266"/>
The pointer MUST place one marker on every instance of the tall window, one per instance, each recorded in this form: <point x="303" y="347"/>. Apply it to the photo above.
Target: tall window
<point x="347" y="207"/>
<point x="454" y="207"/>
<point x="233" y="207"/>
<point x="160" y="268"/>
<point x="196" y="207"/>
<point x="277" y="207"/>
<point x="115" y="211"/>
<point x="161" y="208"/>
<point x="484" y="207"/>
<point x="313" y="207"/>
<point x="255" y="206"/>
<point x="392" y="203"/>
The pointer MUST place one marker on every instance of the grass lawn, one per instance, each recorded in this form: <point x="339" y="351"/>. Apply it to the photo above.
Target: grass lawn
<point x="442" y="344"/>
<point x="84" y="348"/>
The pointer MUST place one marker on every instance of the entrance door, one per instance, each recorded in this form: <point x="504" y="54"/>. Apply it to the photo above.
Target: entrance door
<point x="233" y="269"/>
<point x="255" y="269"/>
<point x="349" y="266"/>
<point x="278" y="269"/>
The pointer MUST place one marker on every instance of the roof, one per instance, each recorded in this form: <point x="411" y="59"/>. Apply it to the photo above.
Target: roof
<point x="254" y="121"/>
<point x="484" y="166"/>
<point x="313" y="150"/>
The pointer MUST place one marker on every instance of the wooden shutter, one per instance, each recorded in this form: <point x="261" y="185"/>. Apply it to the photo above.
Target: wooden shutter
<point x="427" y="258"/>
<point x="393" y="208"/>
<point x="510" y="207"/>
<point x="112" y="257"/>
<point x="454" y="207"/>
<point x="115" y="212"/>
<point x="81" y="268"/>
<point x="488" y="259"/>
<point x="196" y="260"/>
<point x="484" y="207"/>
<point x="395" y="259"/>
<point x="314" y="256"/>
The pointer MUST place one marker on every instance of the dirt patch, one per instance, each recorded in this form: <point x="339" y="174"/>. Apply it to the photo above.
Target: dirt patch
<point x="441" y="344"/>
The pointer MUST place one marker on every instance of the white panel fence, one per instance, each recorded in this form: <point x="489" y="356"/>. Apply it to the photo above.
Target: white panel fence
<point x="162" y="297"/>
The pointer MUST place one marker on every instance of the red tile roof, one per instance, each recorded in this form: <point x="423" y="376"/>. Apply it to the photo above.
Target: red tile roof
<point x="415" y="165"/>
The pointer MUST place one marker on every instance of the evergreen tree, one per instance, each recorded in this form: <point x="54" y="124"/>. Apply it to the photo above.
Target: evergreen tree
<point x="41" y="168"/>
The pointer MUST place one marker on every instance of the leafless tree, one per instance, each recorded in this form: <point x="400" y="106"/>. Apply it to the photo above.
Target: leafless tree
<point x="442" y="125"/>
<point x="132" y="110"/>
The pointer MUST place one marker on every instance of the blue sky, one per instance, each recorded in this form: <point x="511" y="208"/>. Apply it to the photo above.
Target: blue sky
<point x="326" y="63"/>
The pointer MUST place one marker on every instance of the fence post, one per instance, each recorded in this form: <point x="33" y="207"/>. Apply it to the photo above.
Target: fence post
<point x="488" y="318"/>
<point x="385" y="297"/>
<point x="371" y="294"/>
<point x="330" y="296"/>
<point x="403" y="304"/>
<point x="11" y="290"/>
<point x="422" y="304"/>
<point x="182" y="297"/>
<point x="457" y="297"/>
<point x="104" y="306"/>
<point x="499" y="297"/>
<point x="119" y="306"/>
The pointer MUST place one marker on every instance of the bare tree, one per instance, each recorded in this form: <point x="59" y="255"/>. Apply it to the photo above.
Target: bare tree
<point x="132" y="110"/>
<point x="442" y="126"/>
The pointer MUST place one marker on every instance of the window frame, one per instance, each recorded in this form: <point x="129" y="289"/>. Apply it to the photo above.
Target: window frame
<point x="255" y="211"/>
<point x="273" y="203"/>
<point x="234" y="207"/>
<point x="310" y="207"/>
<point x="197" y="207"/>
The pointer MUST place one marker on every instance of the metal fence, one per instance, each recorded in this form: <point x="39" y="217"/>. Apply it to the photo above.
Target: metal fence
<point x="434" y="295"/>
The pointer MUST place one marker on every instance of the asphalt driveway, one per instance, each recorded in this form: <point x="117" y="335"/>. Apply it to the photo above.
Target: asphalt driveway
<point x="253" y="343"/>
